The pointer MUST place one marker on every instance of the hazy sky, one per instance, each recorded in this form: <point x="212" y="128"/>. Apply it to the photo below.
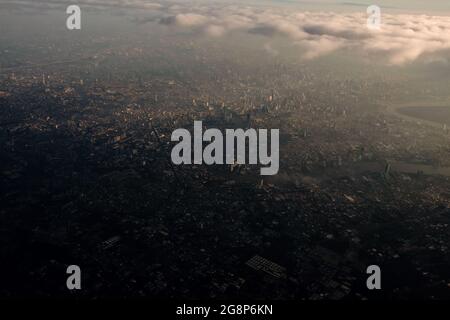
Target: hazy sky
<point x="318" y="28"/>
<point x="428" y="6"/>
<point x="441" y="7"/>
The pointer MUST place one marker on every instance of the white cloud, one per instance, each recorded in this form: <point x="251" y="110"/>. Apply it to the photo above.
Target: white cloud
<point x="190" y="20"/>
<point x="402" y="38"/>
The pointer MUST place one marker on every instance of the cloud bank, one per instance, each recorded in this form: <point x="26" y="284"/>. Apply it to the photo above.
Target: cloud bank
<point x="402" y="39"/>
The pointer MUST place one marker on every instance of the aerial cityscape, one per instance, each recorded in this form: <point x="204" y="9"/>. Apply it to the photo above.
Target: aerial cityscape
<point x="87" y="118"/>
